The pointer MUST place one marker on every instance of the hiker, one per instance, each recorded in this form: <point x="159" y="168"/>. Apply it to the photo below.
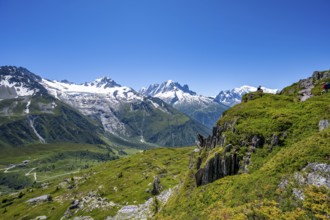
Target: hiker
<point x="260" y="89"/>
<point x="325" y="87"/>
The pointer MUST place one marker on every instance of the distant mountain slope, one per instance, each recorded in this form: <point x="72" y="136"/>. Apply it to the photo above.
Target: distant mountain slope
<point x="29" y="115"/>
<point x="201" y="108"/>
<point x="126" y="114"/>
<point x="234" y="96"/>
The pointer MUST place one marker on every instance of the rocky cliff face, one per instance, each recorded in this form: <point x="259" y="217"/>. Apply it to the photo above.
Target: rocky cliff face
<point x="217" y="167"/>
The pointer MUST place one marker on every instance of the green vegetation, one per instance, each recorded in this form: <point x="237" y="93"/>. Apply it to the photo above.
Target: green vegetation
<point x="54" y="121"/>
<point x="256" y="194"/>
<point x="48" y="161"/>
<point x="123" y="181"/>
<point x="169" y="128"/>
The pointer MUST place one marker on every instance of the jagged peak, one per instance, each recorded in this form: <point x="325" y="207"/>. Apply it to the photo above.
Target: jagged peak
<point x="167" y="86"/>
<point x="103" y="82"/>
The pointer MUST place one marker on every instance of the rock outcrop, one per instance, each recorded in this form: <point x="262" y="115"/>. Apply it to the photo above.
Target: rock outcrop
<point x="321" y="75"/>
<point x="157" y="187"/>
<point x="323" y="124"/>
<point x="306" y="86"/>
<point x="316" y="174"/>
<point x="210" y="142"/>
<point x="222" y="164"/>
<point x="44" y="198"/>
<point x="217" y="167"/>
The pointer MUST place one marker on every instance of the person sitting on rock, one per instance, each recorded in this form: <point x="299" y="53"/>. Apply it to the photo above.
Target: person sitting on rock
<point x="260" y="89"/>
<point x="325" y="87"/>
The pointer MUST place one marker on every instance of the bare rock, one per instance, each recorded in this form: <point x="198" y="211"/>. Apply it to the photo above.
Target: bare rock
<point x="42" y="217"/>
<point x="157" y="187"/>
<point x="74" y="204"/>
<point x="323" y="124"/>
<point x="257" y="141"/>
<point x="44" y="198"/>
<point x="318" y="174"/>
<point x="298" y="194"/>
<point x="275" y="140"/>
<point x="217" y="167"/>
<point x="83" y="218"/>
<point x="321" y="75"/>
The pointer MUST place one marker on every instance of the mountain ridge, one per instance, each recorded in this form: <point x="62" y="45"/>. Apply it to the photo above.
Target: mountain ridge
<point x="201" y="108"/>
<point x="119" y="110"/>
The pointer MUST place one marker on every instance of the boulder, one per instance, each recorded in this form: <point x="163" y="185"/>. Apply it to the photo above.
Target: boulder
<point x="44" y="198"/>
<point x="323" y="124"/>
<point x="74" y="204"/>
<point x="156" y="186"/>
<point x="257" y="141"/>
<point x="42" y="217"/>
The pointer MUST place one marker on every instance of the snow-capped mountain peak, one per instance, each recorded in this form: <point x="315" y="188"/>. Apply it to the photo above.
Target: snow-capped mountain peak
<point x="166" y="89"/>
<point x="201" y="108"/>
<point x="102" y="86"/>
<point x="18" y="82"/>
<point x="234" y="96"/>
<point x="103" y="82"/>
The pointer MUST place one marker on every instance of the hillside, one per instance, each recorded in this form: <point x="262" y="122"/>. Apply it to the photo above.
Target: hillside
<point x="122" y="188"/>
<point x="29" y="115"/>
<point x="267" y="158"/>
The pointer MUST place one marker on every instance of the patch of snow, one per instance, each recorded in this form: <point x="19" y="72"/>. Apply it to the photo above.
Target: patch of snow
<point x="20" y="89"/>
<point x="116" y="92"/>
<point x="27" y="110"/>
<point x="31" y="122"/>
<point x="142" y="139"/>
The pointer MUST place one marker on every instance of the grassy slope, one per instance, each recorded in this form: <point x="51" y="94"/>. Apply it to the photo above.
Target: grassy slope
<point x="131" y="176"/>
<point x="257" y="195"/>
<point x="48" y="161"/>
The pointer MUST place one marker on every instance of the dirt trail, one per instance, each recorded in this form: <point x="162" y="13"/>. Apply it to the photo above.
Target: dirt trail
<point x="34" y="174"/>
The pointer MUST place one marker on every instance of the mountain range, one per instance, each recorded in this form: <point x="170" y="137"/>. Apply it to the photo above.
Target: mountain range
<point x="234" y="96"/>
<point x="203" y="109"/>
<point x="110" y="111"/>
<point x="166" y="114"/>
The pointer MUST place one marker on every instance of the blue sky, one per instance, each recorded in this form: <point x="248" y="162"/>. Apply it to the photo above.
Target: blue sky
<point x="211" y="45"/>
